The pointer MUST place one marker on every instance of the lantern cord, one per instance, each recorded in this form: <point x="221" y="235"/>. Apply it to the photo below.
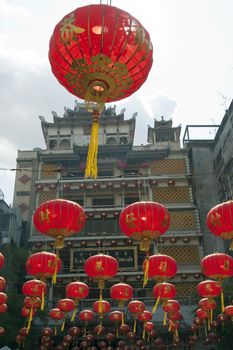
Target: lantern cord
<point x="42" y="301"/>
<point x="156" y="305"/>
<point x="222" y="301"/>
<point x="144" y="331"/>
<point x="206" y="331"/>
<point x="208" y="324"/>
<point x="59" y="242"/>
<point x="170" y="327"/>
<point x="211" y="315"/>
<point x="135" y="325"/>
<point x="146" y="272"/>
<point x="29" y="320"/>
<point x="54" y="279"/>
<point x="165" y="319"/>
<point x="85" y="330"/>
<point x="91" y="165"/>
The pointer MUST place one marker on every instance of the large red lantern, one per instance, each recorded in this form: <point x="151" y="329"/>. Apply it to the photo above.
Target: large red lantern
<point x="43" y="265"/>
<point x="100" y="54"/>
<point x="220" y="220"/>
<point x="101" y="267"/>
<point x="121" y="292"/>
<point x="160" y="267"/>
<point x="218" y="266"/>
<point x="208" y="304"/>
<point x="76" y="291"/>
<point x="59" y="218"/>
<point x="209" y="289"/>
<point x="2" y="260"/>
<point x="144" y="221"/>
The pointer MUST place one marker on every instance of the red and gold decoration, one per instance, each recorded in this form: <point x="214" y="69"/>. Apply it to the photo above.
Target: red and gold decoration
<point x="65" y="305"/>
<point x="220" y="220"/>
<point x="170" y="307"/>
<point x="76" y="291"/>
<point x="121" y="292"/>
<point x="145" y="317"/>
<point x="59" y="218"/>
<point x="2" y="261"/>
<point x="163" y="291"/>
<point x="100" y="54"/>
<point x="86" y="316"/>
<point x="116" y="317"/>
<point x="101" y="267"/>
<point x="144" y="221"/>
<point x="136" y="307"/>
<point x="218" y="266"/>
<point x="57" y="315"/>
<point x="43" y="265"/>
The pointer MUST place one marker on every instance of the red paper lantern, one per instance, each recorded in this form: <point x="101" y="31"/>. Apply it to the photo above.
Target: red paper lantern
<point x="66" y="305"/>
<point x="56" y="314"/>
<point x="228" y="311"/>
<point x="2" y="284"/>
<point x="2" y="260"/>
<point x="145" y="316"/>
<point x="3" y="308"/>
<point x="207" y="304"/>
<point x="26" y="312"/>
<point x="149" y="326"/>
<point x="43" y="265"/>
<point x="23" y="331"/>
<point x="136" y="307"/>
<point x="209" y="289"/>
<point x="34" y="303"/>
<point x="161" y="267"/>
<point x="3" y="298"/>
<point x="171" y="306"/>
<point x="47" y="331"/>
<point x="217" y="266"/>
<point x="124" y="328"/>
<point x="35" y="288"/>
<point x="144" y="221"/>
<point x="121" y="292"/>
<point x="163" y="291"/>
<point x="99" y="330"/>
<point x="74" y="331"/>
<point x="202" y="314"/>
<point x="175" y="316"/>
<point x="59" y="218"/>
<point x="116" y="316"/>
<point x="100" y="54"/>
<point x="86" y="315"/>
<point x="77" y="290"/>
<point x="101" y="307"/>
<point x="220" y="220"/>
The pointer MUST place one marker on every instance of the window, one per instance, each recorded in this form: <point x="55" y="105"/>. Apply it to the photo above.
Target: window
<point x="102" y="202"/>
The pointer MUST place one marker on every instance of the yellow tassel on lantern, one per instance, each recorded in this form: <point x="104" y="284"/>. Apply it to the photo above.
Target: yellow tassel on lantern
<point x="100" y="306"/>
<point x="144" y="331"/>
<point x="211" y="315"/>
<point x="63" y="325"/>
<point x="74" y="314"/>
<point x="135" y="326"/>
<point x="91" y="164"/>
<point x="29" y="320"/>
<point x="222" y="301"/>
<point x="59" y="242"/>
<point x="147" y="264"/>
<point x="156" y="305"/>
<point x="117" y="333"/>
<point x="42" y="301"/>
<point x="231" y="245"/>
<point x="54" y="279"/>
<point x="165" y="319"/>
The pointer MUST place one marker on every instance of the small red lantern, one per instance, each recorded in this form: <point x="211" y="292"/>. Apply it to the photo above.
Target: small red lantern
<point x="56" y="315"/>
<point x="43" y="265"/>
<point x="74" y="331"/>
<point x="86" y="315"/>
<point x="26" y="312"/>
<point x="144" y="221"/>
<point x="59" y="218"/>
<point x="116" y="316"/>
<point x="136" y="307"/>
<point x="228" y="311"/>
<point x="2" y="284"/>
<point x="99" y="330"/>
<point x="220" y="220"/>
<point x="3" y="298"/>
<point x="105" y="55"/>
<point x="121" y="292"/>
<point x="145" y="316"/>
<point x="209" y="289"/>
<point x="163" y="291"/>
<point x="149" y="326"/>
<point x="202" y="314"/>
<point x="35" y="288"/>
<point x="2" y="260"/>
<point x="65" y="305"/>
<point x="76" y="291"/>
<point x="34" y="303"/>
<point x="171" y="306"/>
<point x="218" y="266"/>
<point x="3" y="308"/>
<point x="23" y="331"/>
<point x="175" y="316"/>
<point x="101" y="307"/>
<point x="160" y="267"/>
<point x="207" y="304"/>
<point x="124" y="329"/>
<point x="101" y="267"/>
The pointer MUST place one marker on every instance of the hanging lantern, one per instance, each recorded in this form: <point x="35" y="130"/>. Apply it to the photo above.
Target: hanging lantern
<point x="170" y="307"/>
<point x="74" y="331"/>
<point x="3" y="308"/>
<point x="218" y="266"/>
<point x="2" y="260"/>
<point x="57" y="315"/>
<point x="145" y="316"/>
<point x="43" y="265"/>
<point x="208" y="304"/>
<point x="163" y="291"/>
<point x="121" y="292"/>
<point x="115" y="316"/>
<point x="66" y="305"/>
<point x="31" y="302"/>
<point x="99" y="330"/>
<point x="160" y="267"/>
<point x="59" y="218"/>
<point x="100" y="54"/>
<point x="136" y="307"/>
<point x="35" y="288"/>
<point x="202" y="314"/>
<point x="220" y="220"/>
<point x="101" y="307"/>
<point x="26" y="312"/>
<point x="228" y="311"/>
<point x="3" y="298"/>
<point x="86" y="316"/>
<point x="2" y="284"/>
<point x="209" y="289"/>
<point x="101" y="267"/>
<point x="174" y="316"/>
<point x="124" y="328"/>
<point x="144" y="221"/>
<point x="76" y="291"/>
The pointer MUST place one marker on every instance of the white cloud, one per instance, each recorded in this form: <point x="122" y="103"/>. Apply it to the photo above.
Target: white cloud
<point x="158" y="105"/>
<point x="8" y="9"/>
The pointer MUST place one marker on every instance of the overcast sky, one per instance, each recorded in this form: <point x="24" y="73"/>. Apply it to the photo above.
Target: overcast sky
<point x="191" y="80"/>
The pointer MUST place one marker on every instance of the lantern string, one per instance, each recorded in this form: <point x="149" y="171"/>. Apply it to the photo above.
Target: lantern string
<point x="122" y="319"/>
<point x="135" y="325"/>
<point x="156" y="305"/>
<point x="165" y="318"/>
<point x="63" y="325"/>
<point x="146" y="272"/>
<point x="74" y="313"/>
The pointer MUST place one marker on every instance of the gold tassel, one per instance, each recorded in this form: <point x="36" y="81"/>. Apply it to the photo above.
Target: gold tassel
<point x="147" y="264"/>
<point x="100" y="306"/>
<point x="74" y="314"/>
<point x="42" y="301"/>
<point x="170" y="327"/>
<point x="91" y="165"/>
<point x="165" y="319"/>
<point x="156" y="305"/>
<point x="176" y="333"/>
<point x="63" y="325"/>
<point x="222" y="301"/>
<point x="29" y="320"/>
<point x="144" y="331"/>
<point x="211" y="315"/>
<point x="135" y="326"/>
<point x="54" y="279"/>
<point x="59" y="242"/>
<point x="148" y="338"/>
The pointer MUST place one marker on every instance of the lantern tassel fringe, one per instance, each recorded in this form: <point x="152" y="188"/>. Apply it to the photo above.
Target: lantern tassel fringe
<point x="165" y="319"/>
<point x="91" y="165"/>
<point x="222" y="301"/>
<point x="29" y="320"/>
<point x="42" y="301"/>
<point x="147" y="264"/>
<point x="156" y="305"/>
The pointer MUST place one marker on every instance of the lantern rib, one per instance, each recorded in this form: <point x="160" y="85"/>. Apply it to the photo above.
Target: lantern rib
<point x="126" y="41"/>
<point x="102" y="32"/>
<point x="88" y="31"/>
<point x="115" y="31"/>
<point x="137" y="48"/>
<point x="56" y="62"/>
